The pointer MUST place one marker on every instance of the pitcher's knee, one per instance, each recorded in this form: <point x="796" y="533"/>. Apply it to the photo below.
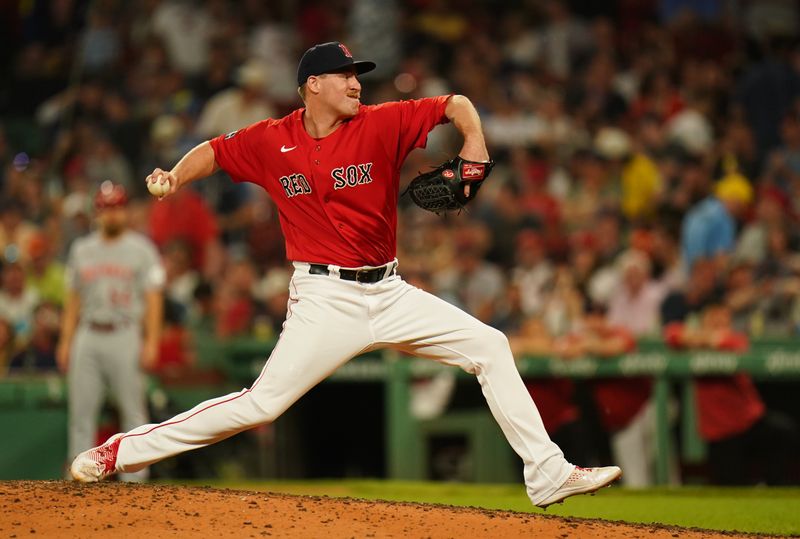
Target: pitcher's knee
<point x="491" y="345"/>
<point x="495" y="339"/>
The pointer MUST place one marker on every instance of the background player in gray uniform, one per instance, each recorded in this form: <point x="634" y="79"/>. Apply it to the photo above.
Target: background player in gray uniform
<point x="111" y="324"/>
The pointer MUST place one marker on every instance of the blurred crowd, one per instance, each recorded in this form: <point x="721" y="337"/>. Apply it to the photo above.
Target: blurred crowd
<point x="648" y="164"/>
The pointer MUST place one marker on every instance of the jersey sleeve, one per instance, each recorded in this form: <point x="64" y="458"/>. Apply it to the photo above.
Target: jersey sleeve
<point x="412" y="121"/>
<point x="237" y="153"/>
<point x="418" y="118"/>
<point x="154" y="276"/>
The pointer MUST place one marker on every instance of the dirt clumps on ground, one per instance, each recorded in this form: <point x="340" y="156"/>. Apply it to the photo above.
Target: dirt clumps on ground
<point x="111" y="509"/>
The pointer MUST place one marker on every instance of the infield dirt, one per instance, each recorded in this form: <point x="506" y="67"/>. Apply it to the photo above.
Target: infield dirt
<point x="66" y="510"/>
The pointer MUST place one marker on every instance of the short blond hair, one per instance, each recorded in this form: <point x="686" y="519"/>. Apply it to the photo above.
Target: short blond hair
<point x="302" y="91"/>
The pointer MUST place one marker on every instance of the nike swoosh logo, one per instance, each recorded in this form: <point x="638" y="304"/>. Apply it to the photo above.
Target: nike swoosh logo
<point x="284" y="149"/>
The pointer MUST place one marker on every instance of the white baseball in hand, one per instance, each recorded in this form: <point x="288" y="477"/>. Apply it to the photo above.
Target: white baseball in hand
<point x="157" y="188"/>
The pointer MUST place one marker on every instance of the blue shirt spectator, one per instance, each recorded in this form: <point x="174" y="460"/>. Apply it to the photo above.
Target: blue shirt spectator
<point x="708" y="230"/>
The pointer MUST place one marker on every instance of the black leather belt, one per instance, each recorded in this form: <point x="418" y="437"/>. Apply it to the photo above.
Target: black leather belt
<point x="371" y="275"/>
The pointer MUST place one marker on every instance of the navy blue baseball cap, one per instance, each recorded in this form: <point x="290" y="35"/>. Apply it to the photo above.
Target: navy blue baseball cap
<point x="327" y="58"/>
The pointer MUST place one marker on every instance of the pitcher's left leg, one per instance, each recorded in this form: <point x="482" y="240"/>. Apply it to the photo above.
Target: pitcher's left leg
<point x="420" y="323"/>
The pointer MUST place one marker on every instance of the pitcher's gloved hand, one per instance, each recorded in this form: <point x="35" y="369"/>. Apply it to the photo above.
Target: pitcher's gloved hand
<point x="442" y="189"/>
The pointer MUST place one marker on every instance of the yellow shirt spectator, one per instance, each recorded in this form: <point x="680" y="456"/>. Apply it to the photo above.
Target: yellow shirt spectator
<point x="43" y="273"/>
<point x="50" y="284"/>
<point x="641" y="183"/>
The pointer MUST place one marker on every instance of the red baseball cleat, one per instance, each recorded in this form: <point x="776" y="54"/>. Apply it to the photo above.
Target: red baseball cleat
<point x="97" y="463"/>
<point x="583" y="481"/>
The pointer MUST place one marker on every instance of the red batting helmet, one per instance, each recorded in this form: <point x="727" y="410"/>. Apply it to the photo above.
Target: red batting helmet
<point x="110" y="195"/>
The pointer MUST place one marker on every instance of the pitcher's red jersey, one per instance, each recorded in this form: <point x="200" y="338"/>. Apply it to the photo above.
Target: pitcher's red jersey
<point x="336" y="196"/>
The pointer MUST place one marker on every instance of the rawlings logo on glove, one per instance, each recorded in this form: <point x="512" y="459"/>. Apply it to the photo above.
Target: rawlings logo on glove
<point x="442" y="189"/>
<point x="472" y="171"/>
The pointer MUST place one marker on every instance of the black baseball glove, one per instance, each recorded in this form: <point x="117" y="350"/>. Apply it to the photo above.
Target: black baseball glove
<point x="442" y="189"/>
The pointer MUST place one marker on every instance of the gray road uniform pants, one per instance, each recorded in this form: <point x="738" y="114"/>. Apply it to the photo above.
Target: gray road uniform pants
<point x="105" y="364"/>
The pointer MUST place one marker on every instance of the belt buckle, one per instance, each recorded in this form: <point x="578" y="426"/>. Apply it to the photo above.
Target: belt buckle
<point x="359" y="271"/>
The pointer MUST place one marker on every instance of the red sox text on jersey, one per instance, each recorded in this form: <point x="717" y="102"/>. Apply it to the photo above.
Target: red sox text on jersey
<point x="349" y="176"/>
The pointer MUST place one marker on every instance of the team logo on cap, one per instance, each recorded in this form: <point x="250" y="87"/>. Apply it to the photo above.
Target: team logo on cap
<point x="345" y="50"/>
<point x="472" y="171"/>
<point x="449" y="174"/>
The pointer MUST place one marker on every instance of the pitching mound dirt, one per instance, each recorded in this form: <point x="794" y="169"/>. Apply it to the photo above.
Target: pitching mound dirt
<point x="61" y="509"/>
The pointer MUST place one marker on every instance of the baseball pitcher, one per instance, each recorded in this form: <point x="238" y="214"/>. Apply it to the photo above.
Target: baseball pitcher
<point x="332" y="169"/>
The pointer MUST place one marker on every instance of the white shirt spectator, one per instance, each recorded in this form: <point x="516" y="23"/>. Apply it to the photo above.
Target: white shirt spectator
<point x="636" y="303"/>
<point x="185" y="28"/>
<point x="532" y="283"/>
<point x="235" y="108"/>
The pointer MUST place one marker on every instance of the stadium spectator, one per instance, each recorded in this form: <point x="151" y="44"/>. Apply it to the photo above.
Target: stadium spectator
<point x="747" y="443"/>
<point x="186" y="28"/>
<point x="709" y="229"/>
<point x="533" y="272"/>
<point x="201" y="319"/>
<point x="743" y="296"/>
<point x="182" y="280"/>
<point x="233" y="301"/>
<point x="700" y="291"/>
<point x="16" y="231"/>
<point x="101" y="44"/>
<point x="175" y="350"/>
<point x="636" y="301"/>
<point x="593" y="190"/>
<point x="195" y="224"/>
<point x="691" y="128"/>
<point x="782" y="167"/>
<point x="565" y="39"/>
<point x="17" y="301"/>
<point x="659" y="99"/>
<point x="641" y="186"/>
<point x="563" y="303"/>
<point x="104" y="160"/>
<point x="780" y="274"/>
<point x="668" y="268"/>
<point x="471" y="281"/>
<point x="44" y="274"/>
<point x="767" y="90"/>
<point x="771" y="211"/>
<point x="234" y="108"/>
<point x="39" y="354"/>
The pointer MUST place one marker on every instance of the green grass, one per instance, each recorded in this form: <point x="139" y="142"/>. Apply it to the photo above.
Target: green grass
<point x="758" y="510"/>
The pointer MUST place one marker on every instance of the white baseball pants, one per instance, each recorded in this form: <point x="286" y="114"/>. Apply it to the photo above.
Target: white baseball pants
<point x="329" y="321"/>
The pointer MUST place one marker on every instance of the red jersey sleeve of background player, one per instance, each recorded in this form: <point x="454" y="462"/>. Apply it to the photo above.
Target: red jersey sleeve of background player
<point x="237" y="152"/>
<point x="414" y="120"/>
